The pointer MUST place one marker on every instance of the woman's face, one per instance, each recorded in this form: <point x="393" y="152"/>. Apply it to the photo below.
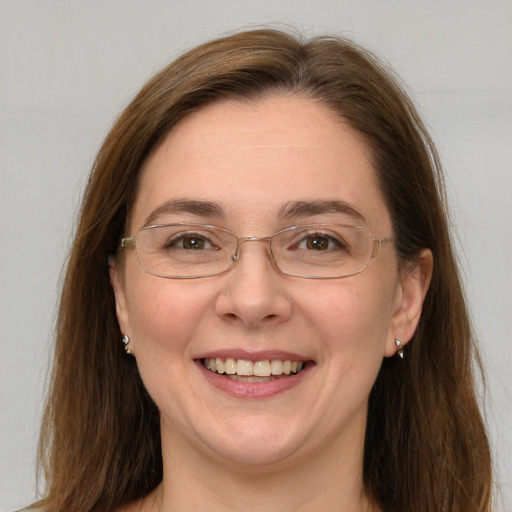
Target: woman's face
<point x="240" y="166"/>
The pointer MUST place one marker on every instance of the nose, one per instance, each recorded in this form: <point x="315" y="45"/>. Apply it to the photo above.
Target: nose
<point x="254" y="291"/>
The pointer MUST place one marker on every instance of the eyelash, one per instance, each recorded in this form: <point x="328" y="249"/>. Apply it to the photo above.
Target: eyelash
<point x="173" y="242"/>
<point x="179" y="240"/>
<point x="330" y="240"/>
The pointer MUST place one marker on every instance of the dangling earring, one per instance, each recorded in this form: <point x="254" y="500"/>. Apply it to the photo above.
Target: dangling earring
<point x="126" y="342"/>
<point x="400" y="349"/>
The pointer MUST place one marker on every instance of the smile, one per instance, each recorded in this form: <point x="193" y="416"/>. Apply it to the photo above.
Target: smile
<point x="249" y="371"/>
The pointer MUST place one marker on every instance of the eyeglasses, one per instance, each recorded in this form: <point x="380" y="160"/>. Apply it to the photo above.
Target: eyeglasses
<point x="315" y="251"/>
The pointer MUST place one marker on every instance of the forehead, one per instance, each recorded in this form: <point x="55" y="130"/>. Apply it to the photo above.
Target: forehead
<point x="254" y="158"/>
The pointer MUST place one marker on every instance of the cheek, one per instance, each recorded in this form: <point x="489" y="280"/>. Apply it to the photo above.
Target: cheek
<point x="352" y="317"/>
<point x="164" y="314"/>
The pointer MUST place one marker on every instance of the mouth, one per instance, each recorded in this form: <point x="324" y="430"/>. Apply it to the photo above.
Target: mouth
<point x="244" y="370"/>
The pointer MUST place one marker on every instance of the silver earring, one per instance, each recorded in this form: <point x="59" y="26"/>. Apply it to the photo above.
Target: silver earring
<point x="400" y="349"/>
<point x="126" y="342"/>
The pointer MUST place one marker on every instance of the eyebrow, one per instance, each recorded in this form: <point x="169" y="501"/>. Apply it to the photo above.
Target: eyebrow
<point x="291" y="210"/>
<point x="200" y="208"/>
<point x="310" y="208"/>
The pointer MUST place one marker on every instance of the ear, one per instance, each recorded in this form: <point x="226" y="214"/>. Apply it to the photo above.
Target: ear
<point x="410" y="294"/>
<point x="123" y="318"/>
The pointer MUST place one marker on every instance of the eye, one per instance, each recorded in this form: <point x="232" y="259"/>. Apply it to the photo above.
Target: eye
<point x="320" y="242"/>
<point x="190" y="241"/>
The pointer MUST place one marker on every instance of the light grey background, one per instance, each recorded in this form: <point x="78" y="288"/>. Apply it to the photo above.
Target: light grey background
<point x="66" y="69"/>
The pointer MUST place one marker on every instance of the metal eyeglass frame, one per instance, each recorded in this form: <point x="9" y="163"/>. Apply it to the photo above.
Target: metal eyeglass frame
<point x="128" y="243"/>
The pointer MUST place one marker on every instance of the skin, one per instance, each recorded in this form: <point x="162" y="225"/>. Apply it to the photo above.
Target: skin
<point x="300" y="449"/>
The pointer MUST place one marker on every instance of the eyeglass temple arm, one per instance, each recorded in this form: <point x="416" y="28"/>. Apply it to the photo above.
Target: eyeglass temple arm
<point x="377" y="244"/>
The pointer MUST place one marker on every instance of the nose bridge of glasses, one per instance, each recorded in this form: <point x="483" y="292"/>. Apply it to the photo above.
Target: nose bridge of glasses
<point x="242" y="239"/>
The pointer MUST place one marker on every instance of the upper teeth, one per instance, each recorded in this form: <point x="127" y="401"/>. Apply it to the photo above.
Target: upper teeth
<point x="263" y="368"/>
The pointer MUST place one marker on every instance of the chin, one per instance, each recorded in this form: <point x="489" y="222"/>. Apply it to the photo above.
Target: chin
<point x="256" y="445"/>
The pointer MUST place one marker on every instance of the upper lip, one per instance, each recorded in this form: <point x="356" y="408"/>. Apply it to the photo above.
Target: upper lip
<point x="260" y="355"/>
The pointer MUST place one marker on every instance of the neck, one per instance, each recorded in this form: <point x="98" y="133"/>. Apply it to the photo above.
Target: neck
<point x="327" y="479"/>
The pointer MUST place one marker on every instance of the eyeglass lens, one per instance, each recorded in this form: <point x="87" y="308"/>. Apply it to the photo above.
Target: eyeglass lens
<point x="193" y="250"/>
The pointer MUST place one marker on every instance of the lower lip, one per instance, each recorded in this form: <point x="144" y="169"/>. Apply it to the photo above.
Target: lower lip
<point x="255" y="390"/>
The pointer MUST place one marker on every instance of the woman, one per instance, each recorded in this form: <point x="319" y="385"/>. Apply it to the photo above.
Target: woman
<point x="261" y="308"/>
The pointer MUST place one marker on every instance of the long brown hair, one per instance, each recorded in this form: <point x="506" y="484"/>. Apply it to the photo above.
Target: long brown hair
<point x="426" y="447"/>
